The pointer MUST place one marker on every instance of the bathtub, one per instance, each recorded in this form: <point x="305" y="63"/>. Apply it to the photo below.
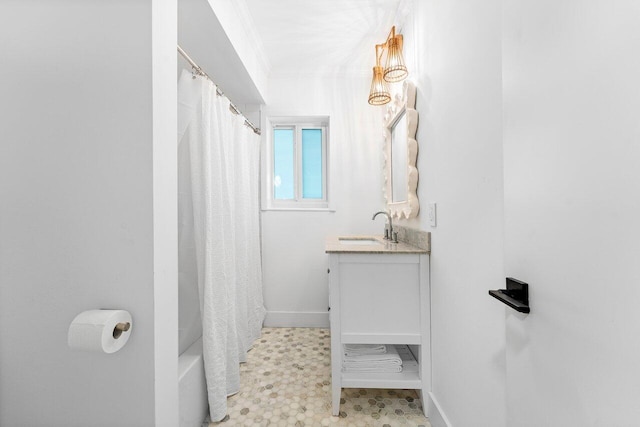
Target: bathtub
<point x="192" y="387"/>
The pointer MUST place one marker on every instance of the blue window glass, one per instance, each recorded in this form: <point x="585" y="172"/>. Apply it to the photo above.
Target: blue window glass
<point x="312" y="164"/>
<point x="283" y="163"/>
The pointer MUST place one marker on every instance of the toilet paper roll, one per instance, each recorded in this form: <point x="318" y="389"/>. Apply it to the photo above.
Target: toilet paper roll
<point x="105" y="331"/>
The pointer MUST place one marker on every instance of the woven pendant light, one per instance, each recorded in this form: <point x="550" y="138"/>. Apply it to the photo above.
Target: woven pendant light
<point x="395" y="70"/>
<point x="379" y="93"/>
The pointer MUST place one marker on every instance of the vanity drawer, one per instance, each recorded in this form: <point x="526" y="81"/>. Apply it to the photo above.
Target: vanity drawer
<point x="380" y="297"/>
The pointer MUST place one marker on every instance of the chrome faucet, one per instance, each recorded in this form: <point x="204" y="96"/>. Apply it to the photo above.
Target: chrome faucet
<point x="388" y="234"/>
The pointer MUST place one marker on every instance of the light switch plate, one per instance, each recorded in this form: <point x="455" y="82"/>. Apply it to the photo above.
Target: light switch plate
<point x="431" y="212"/>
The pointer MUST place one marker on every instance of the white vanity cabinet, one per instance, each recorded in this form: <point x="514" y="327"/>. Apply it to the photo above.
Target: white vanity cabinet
<point x="379" y="295"/>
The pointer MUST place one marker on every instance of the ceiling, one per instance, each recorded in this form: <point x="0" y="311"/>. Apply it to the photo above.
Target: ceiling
<point x="323" y="36"/>
<point x="291" y="38"/>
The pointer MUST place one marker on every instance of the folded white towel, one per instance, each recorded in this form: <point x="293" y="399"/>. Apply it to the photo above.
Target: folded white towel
<point x="388" y="362"/>
<point x="374" y="369"/>
<point x="362" y="349"/>
<point x="391" y="356"/>
<point x="373" y="359"/>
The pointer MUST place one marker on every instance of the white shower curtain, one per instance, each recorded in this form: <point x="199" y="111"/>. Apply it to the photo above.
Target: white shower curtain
<point x="219" y="156"/>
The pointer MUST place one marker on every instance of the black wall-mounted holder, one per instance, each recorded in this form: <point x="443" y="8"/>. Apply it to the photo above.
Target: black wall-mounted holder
<point x="515" y="296"/>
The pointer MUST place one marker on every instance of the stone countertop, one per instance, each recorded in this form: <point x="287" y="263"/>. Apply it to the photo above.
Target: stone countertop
<point x="333" y="246"/>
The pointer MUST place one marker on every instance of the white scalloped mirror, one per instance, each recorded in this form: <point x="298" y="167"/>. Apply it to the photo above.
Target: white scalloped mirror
<point x="401" y="153"/>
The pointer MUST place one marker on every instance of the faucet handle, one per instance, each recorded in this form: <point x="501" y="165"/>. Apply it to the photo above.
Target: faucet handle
<point x="386" y="233"/>
<point x="395" y="237"/>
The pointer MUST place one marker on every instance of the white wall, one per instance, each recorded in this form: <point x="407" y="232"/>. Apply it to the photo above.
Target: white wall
<point x="294" y="262"/>
<point x="572" y="181"/>
<point x="453" y="49"/>
<point x="165" y="210"/>
<point x="237" y="23"/>
<point x="217" y="40"/>
<point x="79" y="198"/>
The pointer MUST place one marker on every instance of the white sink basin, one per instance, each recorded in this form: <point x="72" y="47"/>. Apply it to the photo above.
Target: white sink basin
<point x="356" y="241"/>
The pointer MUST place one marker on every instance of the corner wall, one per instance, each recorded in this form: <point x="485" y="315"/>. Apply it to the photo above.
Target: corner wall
<point x="453" y="50"/>
<point x="164" y="25"/>
<point x="78" y="208"/>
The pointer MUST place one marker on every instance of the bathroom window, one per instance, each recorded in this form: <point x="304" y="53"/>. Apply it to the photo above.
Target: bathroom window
<point x="297" y="163"/>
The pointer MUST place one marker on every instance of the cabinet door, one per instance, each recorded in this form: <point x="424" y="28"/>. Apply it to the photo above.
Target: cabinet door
<point x="380" y="294"/>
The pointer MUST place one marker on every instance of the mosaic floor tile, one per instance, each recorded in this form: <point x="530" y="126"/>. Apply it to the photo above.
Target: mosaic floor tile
<point x="286" y="381"/>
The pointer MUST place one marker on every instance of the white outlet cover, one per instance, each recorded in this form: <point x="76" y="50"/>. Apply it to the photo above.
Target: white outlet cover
<point x="431" y="212"/>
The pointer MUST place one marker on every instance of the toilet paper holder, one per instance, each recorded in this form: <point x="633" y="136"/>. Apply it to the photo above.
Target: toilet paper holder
<point x="100" y="330"/>
<point x="120" y="328"/>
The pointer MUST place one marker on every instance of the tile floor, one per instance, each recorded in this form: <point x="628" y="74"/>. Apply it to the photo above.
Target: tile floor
<point x="287" y="382"/>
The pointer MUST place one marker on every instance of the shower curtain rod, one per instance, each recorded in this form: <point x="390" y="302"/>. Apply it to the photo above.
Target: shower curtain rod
<point x="199" y="71"/>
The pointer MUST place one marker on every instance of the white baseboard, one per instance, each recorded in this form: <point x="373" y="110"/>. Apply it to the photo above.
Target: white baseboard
<point x="296" y="319"/>
<point x="436" y="415"/>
